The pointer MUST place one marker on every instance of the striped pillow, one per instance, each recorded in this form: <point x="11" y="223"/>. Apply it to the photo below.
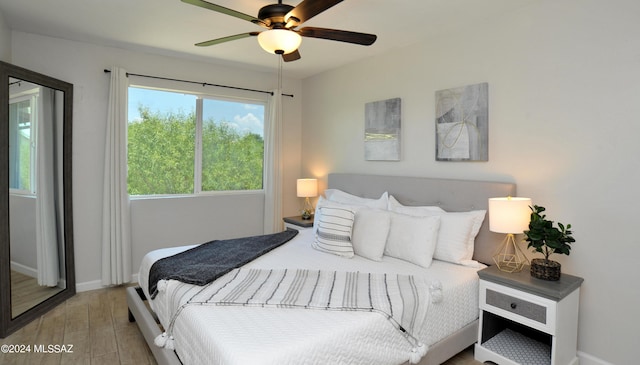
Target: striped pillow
<point x="333" y="234"/>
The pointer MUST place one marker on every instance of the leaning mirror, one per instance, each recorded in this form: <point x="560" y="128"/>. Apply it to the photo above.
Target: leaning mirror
<point x="36" y="227"/>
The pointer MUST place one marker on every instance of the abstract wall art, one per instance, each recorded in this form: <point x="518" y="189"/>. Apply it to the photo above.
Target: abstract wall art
<point x="462" y="119"/>
<point x="382" y="130"/>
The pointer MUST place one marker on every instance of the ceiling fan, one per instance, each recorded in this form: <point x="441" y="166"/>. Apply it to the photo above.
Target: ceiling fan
<point x="281" y="21"/>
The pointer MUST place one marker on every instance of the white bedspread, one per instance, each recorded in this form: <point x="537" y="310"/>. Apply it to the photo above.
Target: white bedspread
<point x="241" y="335"/>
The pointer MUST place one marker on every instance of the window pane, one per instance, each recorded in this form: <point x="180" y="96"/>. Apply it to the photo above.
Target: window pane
<point x="161" y="142"/>
<point x="232" y="145"/>
<point x="20" y="145"/>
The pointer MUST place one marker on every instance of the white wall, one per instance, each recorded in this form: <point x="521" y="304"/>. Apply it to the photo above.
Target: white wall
<point x="563" y="124"/>
<point x="22" y="233"/>
<point x="5" y="40"/>
<point x="157" y="222"/>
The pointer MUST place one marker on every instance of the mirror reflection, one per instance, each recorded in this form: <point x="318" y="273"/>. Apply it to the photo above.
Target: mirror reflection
<point x="36" y="213"/>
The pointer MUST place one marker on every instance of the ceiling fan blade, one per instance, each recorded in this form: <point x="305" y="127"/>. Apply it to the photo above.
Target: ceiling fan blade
<point x="227" y="11"/>
<point x="293" y="56"/>
<point x="338" y="35"/>
<point x="306" y="10"/>
<point x="226" y="39"/>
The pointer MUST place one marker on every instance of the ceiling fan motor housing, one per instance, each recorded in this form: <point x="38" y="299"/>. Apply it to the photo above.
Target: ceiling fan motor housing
<point x="273" y="15"/>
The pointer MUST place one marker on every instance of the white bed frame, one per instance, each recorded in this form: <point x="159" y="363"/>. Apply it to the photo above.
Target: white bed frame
<point x="451" y="195"/>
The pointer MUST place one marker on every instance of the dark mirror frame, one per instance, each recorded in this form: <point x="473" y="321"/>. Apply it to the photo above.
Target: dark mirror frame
<point x="8" y="324"/>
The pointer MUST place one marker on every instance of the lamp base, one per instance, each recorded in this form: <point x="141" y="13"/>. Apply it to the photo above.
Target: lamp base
<point x="307" y="209"/>
<point x="510" y="258"/>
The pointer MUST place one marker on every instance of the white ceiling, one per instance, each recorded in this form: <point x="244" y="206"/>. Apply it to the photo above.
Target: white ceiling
<point x="171" y="27"/>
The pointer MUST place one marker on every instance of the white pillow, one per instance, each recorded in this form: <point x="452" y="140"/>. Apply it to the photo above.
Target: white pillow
<point x="412" y="238"/>
<point x="457" y="234"/>
<point x="452" y="252"/>
<point x="334" y="231"/>
<point x="394" y="205"/>
<point x="370" y="232"/>
<point x="339" y="196"/>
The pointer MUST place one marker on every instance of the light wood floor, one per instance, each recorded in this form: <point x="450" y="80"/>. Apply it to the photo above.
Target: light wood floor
<point x="96" y="324"/>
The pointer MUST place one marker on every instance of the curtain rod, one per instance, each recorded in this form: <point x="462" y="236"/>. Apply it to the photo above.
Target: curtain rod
<point x="202" y="83"/>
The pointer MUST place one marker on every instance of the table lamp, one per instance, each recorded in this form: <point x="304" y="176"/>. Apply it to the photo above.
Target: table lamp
<point x="509" y="215"/>
<point x="307" y="188"/>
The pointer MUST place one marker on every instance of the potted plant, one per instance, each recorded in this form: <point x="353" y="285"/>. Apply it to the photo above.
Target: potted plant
<point x="543" y="237"/>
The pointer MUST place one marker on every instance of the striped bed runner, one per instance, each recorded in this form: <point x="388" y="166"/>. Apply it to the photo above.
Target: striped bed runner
<point x="402" y="299"/>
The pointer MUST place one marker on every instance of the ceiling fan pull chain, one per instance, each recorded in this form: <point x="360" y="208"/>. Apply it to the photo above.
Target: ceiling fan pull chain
<point x="280" y="74"/>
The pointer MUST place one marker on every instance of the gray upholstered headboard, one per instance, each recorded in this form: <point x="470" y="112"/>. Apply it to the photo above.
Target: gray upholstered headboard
<point x="450" y="195"/>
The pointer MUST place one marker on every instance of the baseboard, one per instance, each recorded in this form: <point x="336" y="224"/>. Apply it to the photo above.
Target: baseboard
<point x="89" y="285"/>
<point x="586" y="359"/>
<point x="97" y="284"/>
<point x="24" y="269"/>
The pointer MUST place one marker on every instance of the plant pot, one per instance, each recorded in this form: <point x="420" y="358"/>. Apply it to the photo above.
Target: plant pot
<point x="545" y="269"/>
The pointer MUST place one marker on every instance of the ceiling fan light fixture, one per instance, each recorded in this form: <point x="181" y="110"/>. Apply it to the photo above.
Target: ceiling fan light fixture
<point x="279" y="41"/>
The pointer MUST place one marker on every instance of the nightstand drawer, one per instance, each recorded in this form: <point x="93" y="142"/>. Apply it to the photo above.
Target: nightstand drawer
<point x="517" y="306"/>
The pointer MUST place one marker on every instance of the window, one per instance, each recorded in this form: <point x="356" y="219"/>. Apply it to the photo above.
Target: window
<point x="181" y="143"/>
<point x="22" y="154"/>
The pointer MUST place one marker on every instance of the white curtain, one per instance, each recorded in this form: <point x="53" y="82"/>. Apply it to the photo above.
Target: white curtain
<point x="273" y="166"/>
<point x="116" y="230"/>
<point x="46" y="186"/>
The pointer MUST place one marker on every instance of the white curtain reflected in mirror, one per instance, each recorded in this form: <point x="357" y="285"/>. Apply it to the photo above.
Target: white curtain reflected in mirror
<point x="36" y="221"/>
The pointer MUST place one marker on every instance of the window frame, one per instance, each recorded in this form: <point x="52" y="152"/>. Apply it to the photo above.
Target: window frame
<point x="239" y="96"/>
<point x="32" y="95"/>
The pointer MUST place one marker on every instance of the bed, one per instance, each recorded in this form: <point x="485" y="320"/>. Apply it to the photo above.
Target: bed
<point x="233" y="334"/>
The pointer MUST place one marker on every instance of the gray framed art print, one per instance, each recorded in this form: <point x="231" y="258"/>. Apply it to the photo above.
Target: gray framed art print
<point x="462" y="123"/>
<point x="382" y="130"/>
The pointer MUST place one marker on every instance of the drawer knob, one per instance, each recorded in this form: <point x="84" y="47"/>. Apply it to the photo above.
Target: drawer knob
<point x="513" y="305"/>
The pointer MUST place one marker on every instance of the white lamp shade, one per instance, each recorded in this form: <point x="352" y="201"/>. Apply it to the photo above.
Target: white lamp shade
<point x="279" y="41"/>
<point x="509" y="215"/>
<point x="307" y="188"/>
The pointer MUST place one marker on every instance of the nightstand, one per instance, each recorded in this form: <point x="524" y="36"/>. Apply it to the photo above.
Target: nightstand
<point x="527" y="320"/>
<point x="298" y="223"/>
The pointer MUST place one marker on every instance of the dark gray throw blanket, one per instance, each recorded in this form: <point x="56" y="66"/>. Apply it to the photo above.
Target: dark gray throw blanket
<point x="208" y="261"/>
